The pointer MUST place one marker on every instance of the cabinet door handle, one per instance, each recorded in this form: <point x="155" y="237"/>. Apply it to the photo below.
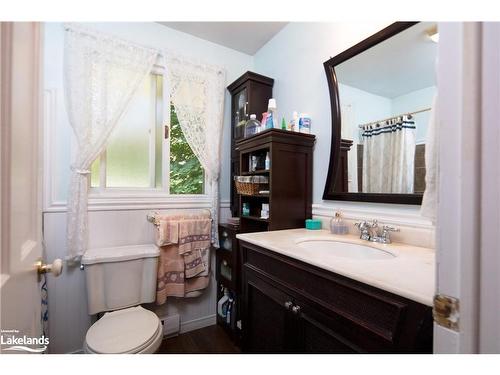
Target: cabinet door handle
<point x="288" y="305"/>
<point x="296" y="309"/>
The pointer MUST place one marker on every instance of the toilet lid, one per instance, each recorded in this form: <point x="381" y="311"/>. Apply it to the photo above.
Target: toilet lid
<point x="123" y="331"/>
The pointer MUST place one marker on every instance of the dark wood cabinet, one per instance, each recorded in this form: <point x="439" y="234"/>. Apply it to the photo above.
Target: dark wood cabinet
<point x="250" y="94"/>
<point x="290" y="179"/>
<point x="228" y="276"/>
<point x="291" y="306"/>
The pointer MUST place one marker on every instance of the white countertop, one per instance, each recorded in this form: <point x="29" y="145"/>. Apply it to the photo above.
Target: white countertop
<point x="410" y="274"/>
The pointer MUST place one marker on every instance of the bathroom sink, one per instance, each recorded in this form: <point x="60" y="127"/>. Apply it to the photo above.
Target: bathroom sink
<point x="335" y="249"/>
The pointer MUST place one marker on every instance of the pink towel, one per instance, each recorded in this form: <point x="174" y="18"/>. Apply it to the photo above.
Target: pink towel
<point x="168" y="232"/>
<point x="184" y="263"/>
<point x="170" y="279"/>
<point x="194" y="234"/>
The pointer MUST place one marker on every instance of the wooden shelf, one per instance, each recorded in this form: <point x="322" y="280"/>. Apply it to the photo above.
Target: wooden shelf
<point x="260" y="171"/>
<point x="256" y="218"/>
<point x="266" y="195"/>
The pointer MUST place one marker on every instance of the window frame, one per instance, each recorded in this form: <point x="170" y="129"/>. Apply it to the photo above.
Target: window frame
<point x="103" y="194"/>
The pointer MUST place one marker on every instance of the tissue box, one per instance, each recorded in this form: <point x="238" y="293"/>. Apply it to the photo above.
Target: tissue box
<point x="313" y="224"/>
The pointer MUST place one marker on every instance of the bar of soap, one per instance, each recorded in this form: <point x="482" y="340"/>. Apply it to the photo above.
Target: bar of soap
<point x="313" y="224"/>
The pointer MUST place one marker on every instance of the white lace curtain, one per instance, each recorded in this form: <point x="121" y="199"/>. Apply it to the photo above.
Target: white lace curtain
<point x="197" y="92"/>
<point x="388" y="157"/>
<point x="102" y="73"/>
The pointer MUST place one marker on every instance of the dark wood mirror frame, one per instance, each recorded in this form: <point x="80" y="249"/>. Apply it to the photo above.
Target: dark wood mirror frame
<point x="335" y="148"/>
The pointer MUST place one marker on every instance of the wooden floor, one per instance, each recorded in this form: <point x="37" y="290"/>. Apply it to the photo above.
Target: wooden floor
<point x="208" y="340"/>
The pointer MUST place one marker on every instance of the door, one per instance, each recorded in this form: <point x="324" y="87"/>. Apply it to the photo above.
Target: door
<point x="21" y="217"/>
<point x="267" y="323"/>
<point x="458" y="215"/>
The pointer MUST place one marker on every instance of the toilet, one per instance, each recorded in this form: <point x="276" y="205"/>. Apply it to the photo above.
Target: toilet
<point x="119" y="280"/>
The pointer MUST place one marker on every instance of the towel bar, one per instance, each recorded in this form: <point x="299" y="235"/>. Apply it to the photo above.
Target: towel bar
<point x="152" y="217"/>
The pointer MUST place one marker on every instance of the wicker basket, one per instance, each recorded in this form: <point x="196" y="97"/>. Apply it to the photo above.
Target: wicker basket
<point x="249" y="185"/>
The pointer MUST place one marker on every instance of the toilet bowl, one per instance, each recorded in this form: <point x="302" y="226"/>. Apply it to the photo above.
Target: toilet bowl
<point x="129" y="331"/>
<point x="118" y="280"/>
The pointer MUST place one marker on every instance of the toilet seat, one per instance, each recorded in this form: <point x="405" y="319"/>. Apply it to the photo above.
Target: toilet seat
<point x="131" y="330"/>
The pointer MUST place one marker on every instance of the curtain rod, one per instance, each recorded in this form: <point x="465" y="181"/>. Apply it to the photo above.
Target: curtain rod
<point x="393" y="117"/>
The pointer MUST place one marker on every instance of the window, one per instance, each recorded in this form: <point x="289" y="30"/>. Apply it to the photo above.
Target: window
<point x="139" y="158"/>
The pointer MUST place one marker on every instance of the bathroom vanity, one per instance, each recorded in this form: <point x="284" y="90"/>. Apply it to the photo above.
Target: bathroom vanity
<point x="299" y="296"/>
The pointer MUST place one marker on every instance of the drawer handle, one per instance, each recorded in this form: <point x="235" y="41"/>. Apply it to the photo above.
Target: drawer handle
<point x="296" y="309"/>
<point x="288" y="305"/>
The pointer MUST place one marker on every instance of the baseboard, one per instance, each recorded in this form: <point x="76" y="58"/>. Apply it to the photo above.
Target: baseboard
<point x="194" y="324"/>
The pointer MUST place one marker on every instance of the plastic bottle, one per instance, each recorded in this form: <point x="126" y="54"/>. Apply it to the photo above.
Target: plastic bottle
<point x="294" y="123"/>
<point x="229" y="311"/>
<point x="271" y="121"/>
<point x="252" y="126"/>
<point x="267" y="162"/>
<point x="305" y="123"/>
<point x="222" y="302"/>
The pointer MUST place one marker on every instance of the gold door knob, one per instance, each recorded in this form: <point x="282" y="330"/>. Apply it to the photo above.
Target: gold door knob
<point x="55" y="268"/>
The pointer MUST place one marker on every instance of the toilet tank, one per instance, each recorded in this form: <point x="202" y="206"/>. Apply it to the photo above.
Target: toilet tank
<point x="120" y="277"/>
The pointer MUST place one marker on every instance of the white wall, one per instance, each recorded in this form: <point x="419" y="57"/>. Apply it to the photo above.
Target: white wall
<point x="294" y="58"/>
<point x="365" y="107"/>
<point x="414" y="101"/>
<point x="68" y="318"/>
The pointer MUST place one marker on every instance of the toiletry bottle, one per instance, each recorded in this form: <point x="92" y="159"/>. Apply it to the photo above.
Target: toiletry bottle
<point x="263" y="122"/>
<point x="252" y="126"/>
<point x="229" y="310"/>
<point x="305" y="123"/>
<point x="294" y="124"/>
<point x="337" y="225"/>
<point x="222" y="301"/>
<point x="267" y="162"/>
<point x="272" y="120"/>
<point x="246" y="209"/>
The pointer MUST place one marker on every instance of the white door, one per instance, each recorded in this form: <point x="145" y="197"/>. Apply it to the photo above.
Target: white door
<point x="468" y="260"/>
<point x="489" y="281"/>
<point x="21" y="216"/>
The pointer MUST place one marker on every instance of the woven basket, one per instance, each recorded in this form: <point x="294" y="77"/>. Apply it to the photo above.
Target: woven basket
<point x="247" y="188"/>
<point x="250" y="185"/>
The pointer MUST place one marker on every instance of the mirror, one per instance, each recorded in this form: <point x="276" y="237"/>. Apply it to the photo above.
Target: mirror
<point x="381" y="93"/>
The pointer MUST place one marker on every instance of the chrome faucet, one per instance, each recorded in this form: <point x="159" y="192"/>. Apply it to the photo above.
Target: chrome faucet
<point x="369" y="232"/>
<point x="366" y="229"/>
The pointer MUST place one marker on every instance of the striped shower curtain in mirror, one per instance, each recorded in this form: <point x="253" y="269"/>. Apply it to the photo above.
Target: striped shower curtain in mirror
<point x="388" y="156"/>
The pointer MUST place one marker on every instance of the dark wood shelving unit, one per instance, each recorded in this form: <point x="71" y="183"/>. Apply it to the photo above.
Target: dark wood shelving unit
<point x="250" y="94"/>
<point x="227" y="255"/>
<point x="290" y="179"/>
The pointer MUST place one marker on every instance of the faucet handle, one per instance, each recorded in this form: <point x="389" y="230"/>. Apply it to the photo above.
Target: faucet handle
<point x="388" y="228"/>
<point x="361" y="225"/>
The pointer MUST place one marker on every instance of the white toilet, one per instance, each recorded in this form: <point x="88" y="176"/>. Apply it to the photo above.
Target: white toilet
<point x="118" y="280"/>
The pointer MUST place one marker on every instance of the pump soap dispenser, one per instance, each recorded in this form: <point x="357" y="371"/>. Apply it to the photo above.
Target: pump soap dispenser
<point x="337" y="225"/>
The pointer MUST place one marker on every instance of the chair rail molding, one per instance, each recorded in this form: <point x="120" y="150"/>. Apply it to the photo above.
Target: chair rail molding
<point x="391" y="214"/>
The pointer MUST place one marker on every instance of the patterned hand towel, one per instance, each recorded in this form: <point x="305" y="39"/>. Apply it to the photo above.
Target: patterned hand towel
<point x="194" y="234"/>
<point x="194" y="242"/>
<point x="168" y="232"/>
<point x="170" y="279"/>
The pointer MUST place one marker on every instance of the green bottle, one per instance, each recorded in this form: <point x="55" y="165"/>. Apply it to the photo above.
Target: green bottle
<point x="283" y="124"/>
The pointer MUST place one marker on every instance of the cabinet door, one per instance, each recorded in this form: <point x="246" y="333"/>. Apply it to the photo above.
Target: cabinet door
<point x="316" y="332"/>
<point x="268" y="324"/>
<point x="240" y="113"/>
